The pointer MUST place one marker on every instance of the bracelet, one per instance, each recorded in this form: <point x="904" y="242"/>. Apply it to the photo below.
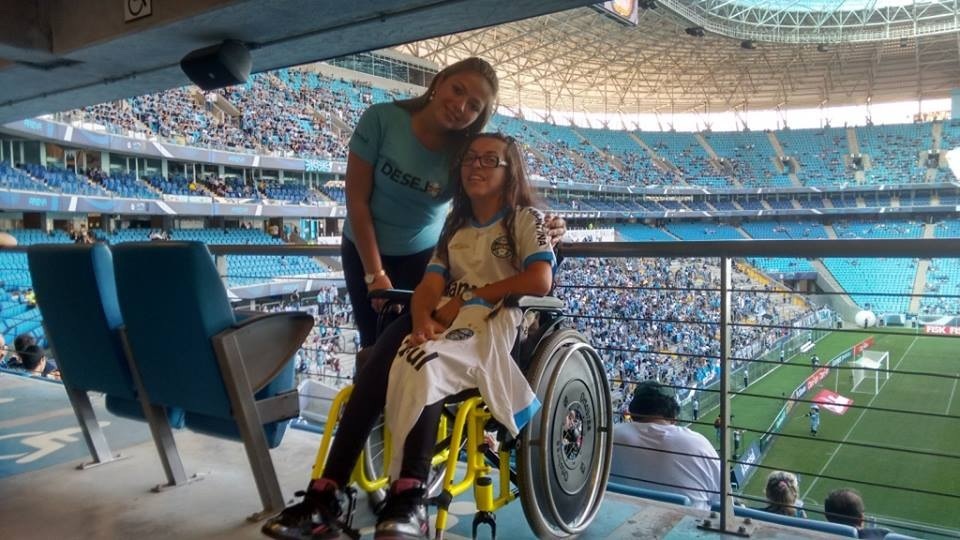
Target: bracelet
<point x="370" y="278"/>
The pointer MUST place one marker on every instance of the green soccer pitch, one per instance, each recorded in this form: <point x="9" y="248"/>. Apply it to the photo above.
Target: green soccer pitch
<point x="831" y="457"/>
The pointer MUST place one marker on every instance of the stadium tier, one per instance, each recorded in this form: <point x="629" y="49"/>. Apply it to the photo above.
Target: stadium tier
<point x="241" y="269"/>
<point x="787" y="230"/>
<point x="748" y="158"/>
<point x="894" y="152"/>
<point x="818" y="153"/>
<point x="638" y="232"/>
<point x="16" y="317"/>
<point x="300" y="112"/>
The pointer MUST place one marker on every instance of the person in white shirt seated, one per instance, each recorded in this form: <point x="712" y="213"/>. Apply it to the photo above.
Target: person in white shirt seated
<point x="652" y="451"/>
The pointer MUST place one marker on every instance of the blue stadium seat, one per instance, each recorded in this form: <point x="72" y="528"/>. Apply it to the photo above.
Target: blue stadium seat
<point x="83" y="317"/>
<point x="820" y="526"/>
<point x="652" y="494"/>
<point x="193" y="353"/>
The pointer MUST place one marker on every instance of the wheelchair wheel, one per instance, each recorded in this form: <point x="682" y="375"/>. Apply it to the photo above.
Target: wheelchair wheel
<point x="374" y="452"/>
<point x="564" y="455"/>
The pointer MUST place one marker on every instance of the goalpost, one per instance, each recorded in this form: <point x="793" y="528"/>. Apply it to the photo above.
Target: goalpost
<point x="867" y="369"/>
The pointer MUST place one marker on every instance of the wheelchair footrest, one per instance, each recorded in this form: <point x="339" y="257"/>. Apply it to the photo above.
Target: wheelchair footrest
<point x="347" y="521"/>
<point x="485" y="518"/>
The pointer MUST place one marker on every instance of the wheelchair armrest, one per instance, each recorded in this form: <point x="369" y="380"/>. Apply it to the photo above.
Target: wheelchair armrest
<point x="526" y="301"/>
<point x="392" y="295"/>
<point x="268" y="341"/>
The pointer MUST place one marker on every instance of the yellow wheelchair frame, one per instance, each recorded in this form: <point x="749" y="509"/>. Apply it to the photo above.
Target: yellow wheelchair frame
<point x="567" y="375"/>
<point x="472" y="415"/>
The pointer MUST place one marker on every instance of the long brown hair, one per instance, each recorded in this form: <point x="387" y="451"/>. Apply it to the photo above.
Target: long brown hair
<point x="517" y="192"/>
<point x="474" y="65"/>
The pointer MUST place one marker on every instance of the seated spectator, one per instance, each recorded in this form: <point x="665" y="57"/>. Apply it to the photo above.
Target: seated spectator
<point x="35" y="362"/>
<point x="20" y="344"/>
<point x="845" y="506"/>
<point x="782" y="495"/>
<point x="31" y="298"/>
<point x="653" y="452"/>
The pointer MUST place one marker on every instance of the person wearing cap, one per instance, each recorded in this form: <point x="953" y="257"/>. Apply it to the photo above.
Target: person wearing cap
<point x="653" y="452"/>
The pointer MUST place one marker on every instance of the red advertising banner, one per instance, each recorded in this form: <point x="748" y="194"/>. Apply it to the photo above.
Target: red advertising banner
<point x="817" y="376"/>
<point x="937" y="330"/>
<point x="832" y="401"/>
<point x="863" y="345"/>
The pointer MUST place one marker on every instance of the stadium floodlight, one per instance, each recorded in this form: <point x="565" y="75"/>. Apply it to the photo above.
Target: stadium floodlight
<point x="871" y="366"/>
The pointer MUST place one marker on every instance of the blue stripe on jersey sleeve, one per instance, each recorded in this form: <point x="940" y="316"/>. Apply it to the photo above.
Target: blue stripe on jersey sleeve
<point x="438" y="269"/>
<point x="521" y="418"/>
<point x="546" y="256"/>
<point x="477" y="301"/>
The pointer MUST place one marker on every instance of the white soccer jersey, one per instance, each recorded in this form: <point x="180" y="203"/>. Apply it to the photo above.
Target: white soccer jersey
<point x="479" y="254"/>
<point x="475" y="351"/>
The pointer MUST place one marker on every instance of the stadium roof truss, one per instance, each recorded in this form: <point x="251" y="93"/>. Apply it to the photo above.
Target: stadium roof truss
<point x="582" y="61"/>
<point x="820" y="21"/>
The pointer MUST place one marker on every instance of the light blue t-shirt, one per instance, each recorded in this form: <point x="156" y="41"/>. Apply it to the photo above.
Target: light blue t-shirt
<point x="410" y="194"/>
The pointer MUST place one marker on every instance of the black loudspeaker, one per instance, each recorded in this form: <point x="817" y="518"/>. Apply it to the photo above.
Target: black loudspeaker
<point x="222" y="65"/>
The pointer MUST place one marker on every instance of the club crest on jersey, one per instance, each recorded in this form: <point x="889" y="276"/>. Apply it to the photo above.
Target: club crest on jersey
<point x="501" y="248"/>
<point x="434" y="189"/>
<point x="459" y="334"/>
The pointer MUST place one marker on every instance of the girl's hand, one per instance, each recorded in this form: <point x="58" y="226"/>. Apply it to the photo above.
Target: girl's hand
<point x="382" y="281"/>
<point x="556" y="228"/>
<point x="426" y="331"/>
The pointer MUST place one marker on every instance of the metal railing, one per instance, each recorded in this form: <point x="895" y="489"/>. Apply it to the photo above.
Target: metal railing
<point x="759" y="361"/>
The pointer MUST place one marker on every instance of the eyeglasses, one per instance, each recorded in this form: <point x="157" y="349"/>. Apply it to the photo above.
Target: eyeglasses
<point x="487" y="161"/>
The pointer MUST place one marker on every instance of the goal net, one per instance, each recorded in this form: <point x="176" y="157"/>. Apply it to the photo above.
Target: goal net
<point x="869" y="370"/>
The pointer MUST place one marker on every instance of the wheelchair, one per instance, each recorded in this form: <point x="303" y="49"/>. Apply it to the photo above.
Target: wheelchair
<point x="559" y="463"/>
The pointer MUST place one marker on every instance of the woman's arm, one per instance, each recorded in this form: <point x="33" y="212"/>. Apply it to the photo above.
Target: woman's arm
<point x="359" y="187"/>
<point x="425" y="299"/>
<point x="536" y="280"/>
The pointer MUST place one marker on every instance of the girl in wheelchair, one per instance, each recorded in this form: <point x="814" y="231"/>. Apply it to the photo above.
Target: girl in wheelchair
<point x="457" y="336"/>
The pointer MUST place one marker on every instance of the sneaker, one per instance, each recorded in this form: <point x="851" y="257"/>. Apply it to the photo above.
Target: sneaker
<point x="317" y="516"/>
<point x="404" y="515"/>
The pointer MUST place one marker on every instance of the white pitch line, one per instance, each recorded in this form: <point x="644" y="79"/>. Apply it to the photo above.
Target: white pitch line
<point x="899" y="446"/>
<point x="854" y="426"/>
<point x="952" y="392"/>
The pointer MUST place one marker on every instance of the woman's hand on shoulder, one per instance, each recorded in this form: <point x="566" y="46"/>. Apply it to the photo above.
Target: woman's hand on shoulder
<point x="556" y="228"/>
